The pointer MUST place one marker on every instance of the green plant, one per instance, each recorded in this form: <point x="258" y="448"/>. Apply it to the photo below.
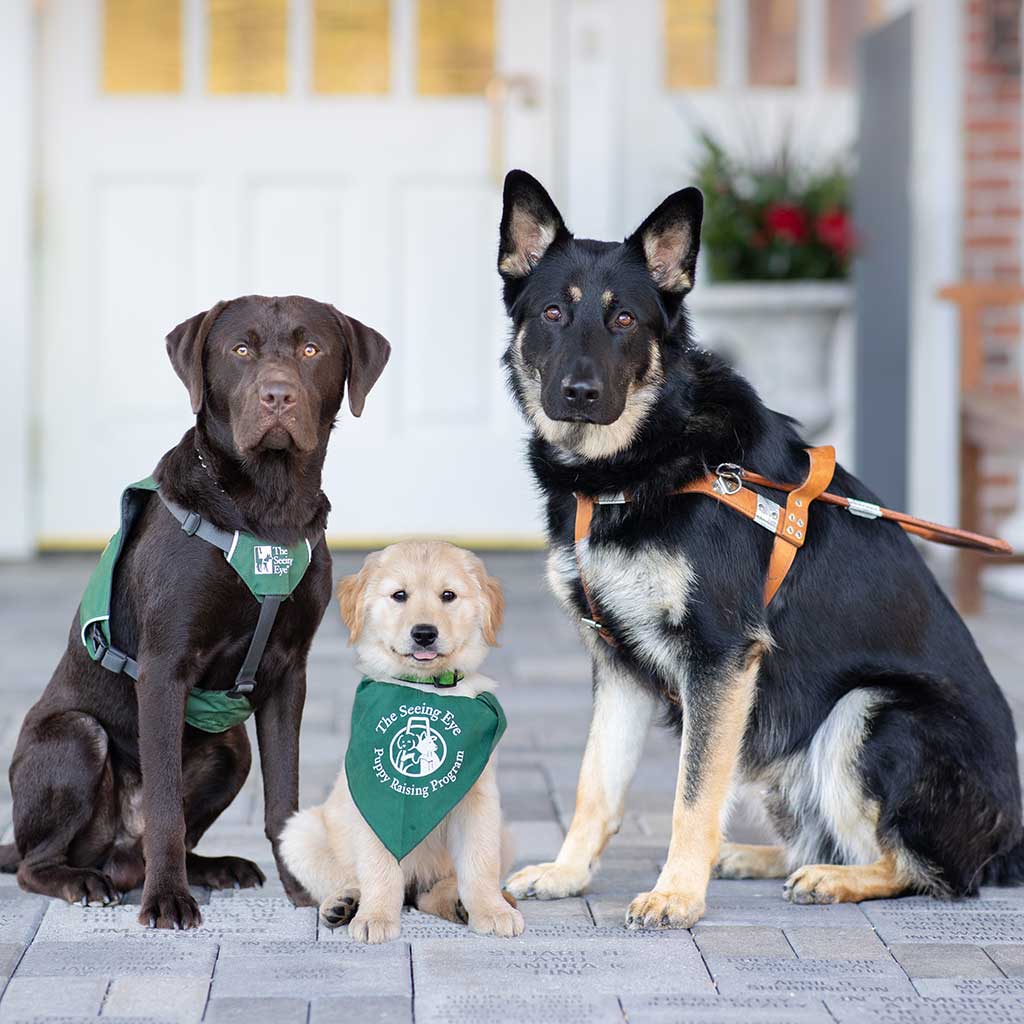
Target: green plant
<point x="773" y="222"/>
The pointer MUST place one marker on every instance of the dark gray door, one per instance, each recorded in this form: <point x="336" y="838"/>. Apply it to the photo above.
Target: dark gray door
<point x="882" y="271"/>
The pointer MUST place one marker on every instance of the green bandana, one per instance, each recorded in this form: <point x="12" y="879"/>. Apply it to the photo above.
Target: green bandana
<point x="268" y="570"/>
<point x="413" y="755"/>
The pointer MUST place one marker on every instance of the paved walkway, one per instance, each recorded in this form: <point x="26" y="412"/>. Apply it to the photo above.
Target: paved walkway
<point x="753" y="958"/>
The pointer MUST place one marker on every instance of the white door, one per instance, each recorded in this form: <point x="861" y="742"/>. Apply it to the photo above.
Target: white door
<point x="341" y="149"/>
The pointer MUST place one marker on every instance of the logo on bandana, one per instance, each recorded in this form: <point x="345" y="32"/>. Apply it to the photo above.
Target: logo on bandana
<point x="416" y="740"/>
<point x="271" y="560"/>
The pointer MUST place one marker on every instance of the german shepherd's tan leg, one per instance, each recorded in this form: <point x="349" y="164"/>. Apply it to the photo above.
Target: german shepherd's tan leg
<point x="746" y="860"/>
<point x="623" y="708"/>
<point x="708" y="755"/>
<point x="842" y="883"/>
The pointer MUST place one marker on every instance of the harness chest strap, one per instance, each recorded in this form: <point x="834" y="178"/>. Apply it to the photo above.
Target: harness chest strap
<point x="789" y="525"/>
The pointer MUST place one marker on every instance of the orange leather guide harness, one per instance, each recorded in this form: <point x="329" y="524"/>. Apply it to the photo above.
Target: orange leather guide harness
<point x="789" y="524"/>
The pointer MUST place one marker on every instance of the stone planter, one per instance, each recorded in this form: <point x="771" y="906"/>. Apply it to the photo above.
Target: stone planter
<point x="787" y="338"/>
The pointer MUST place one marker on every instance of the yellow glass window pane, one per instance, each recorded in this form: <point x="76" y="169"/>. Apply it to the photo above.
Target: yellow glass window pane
<point x="456" y="46"/>
<point x="142" y="46"/>
<point x="351" y="46"/>
<point x="248" y="46"/>
<point x="772" y="42"/>
<point x="691" y="43"/>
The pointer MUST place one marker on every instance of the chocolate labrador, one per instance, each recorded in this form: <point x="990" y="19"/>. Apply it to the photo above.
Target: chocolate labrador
<point x="111" y="787"/>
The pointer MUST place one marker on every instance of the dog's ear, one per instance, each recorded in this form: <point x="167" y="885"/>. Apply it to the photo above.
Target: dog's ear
<point x="530" y="224"/>
<point x="368" y="354"/>
<point x="352" y="598"/>
<point x="185" y="346"/>
<point x="669" y="240"/>
<point x="492" y="597"/>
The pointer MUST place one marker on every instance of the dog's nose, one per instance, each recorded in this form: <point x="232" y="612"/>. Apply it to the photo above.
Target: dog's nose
<point x="277" y="395"/>
<point x="581" y="392"/>
<point x="424" y="634"/>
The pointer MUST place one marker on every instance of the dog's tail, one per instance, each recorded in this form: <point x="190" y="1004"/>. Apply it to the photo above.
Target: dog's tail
<point x="306" y="849"/>
<point x="1007" y="868"/>
<point x="9" y="859"/>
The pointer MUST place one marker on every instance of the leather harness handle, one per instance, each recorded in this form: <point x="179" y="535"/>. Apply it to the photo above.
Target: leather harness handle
<point x="789" y="524"/>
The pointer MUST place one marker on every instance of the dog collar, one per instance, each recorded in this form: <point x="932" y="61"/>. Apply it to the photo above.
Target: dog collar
<point x="450" y="678"/>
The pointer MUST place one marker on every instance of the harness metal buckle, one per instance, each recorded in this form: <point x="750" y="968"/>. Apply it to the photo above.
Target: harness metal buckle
<point x="864" y="509"/>
<point x="730" y="478"/>
<point x="767" y="514"/>
<point x="591" y="623"/>
<point x="191" y="523"/>
<point x="611" y="499"/>
<point x="242" y="688"/>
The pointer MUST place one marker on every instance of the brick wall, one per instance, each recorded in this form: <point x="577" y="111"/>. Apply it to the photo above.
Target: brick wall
<point x="994" y="192"/>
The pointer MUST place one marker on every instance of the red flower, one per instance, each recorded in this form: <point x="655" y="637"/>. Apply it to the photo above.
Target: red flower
<point x="835" y="230"/>
<point x="786" y="222"/>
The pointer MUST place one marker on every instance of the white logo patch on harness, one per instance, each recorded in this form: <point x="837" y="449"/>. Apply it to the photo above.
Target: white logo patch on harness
<point x="271" y="560"/>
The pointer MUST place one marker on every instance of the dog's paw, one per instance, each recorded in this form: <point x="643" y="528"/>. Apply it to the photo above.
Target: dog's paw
<point x="374" y="929"/>
<point x="90" y="889"/>
<point x="501" y="920"/>
<point x="740" y="860"/>
<point x="825" y="883"/>
<point x="176" y="910"/>
<point x="339" y="909"/>
<point x="224" y="872"/>
<point x="665" y="910"/>
<point x="548" y="881"/>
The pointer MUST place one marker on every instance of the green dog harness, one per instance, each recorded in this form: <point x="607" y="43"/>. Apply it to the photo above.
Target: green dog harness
<point x="413" y="755"/>
<point x="270" y="571"/>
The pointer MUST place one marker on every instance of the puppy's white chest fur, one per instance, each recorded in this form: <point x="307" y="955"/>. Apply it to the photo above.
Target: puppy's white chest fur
<point x="645" y="589"/>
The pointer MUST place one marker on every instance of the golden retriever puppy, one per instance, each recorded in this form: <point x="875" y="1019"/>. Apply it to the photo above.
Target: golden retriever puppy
<point x="415" y="813"/>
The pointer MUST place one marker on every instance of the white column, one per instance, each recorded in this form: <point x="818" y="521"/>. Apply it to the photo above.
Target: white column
<point x="17" y="42"/>
<point x="936" y="195"/>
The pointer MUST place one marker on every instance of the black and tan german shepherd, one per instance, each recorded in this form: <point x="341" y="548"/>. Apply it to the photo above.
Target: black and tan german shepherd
<point x="856" y="701"/>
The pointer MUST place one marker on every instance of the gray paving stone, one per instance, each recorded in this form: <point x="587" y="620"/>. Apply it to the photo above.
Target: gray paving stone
<point x="971" y="987"/>
<point x="939" y="1010"/>
<point x="814" y="943"/>
<point x="27" y="997"/>
<point x="313" y="970"/>
<point x="812" y="978"/>
<point x="186" y="958"/>
<point x="741" y="940"/>
<point x="724" y="1009"/>
<point x="256" y="1010"/>
<point x="586" y="966"/>
<point x="166" y="998"/>
<point x="364" y="1009"/>
<point x="460" y="1007"/>
<point x="946" y="923"/>
<point x="258" y="918"/>
<point x="10" y="954"/>
<point x="1010" y="959"/>
<point x="20" y="915"/>
<point x="933" y="960"/>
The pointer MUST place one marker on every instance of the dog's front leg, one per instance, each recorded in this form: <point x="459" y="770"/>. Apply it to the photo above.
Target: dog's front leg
<point x="623" y="708"/>
<point x="714" y="719"/>
<point x="474" y="840"/>
<point x="166" y="899"/>
<point x="277" y="729"/>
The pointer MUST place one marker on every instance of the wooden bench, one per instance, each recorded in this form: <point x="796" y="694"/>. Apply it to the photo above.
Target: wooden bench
<point x="989" y="422"/>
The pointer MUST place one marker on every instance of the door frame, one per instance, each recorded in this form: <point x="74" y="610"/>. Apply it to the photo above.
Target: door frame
<point x="17" y="192"/>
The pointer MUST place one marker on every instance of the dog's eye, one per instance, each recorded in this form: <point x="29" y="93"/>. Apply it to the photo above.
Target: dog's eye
<point x="448" y="596"/>
<point x="241" y="350"/>
<point x="309" y="350"/>
<point x="399" y="596"/>
<point x="552" y="313"/>
<point x="625" y="319"/>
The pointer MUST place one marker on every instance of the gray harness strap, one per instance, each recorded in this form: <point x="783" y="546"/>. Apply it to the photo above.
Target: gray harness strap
<point x="194" y="525"/>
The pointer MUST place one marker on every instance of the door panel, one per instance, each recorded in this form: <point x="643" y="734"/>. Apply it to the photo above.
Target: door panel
<point x="157" y="205"/>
